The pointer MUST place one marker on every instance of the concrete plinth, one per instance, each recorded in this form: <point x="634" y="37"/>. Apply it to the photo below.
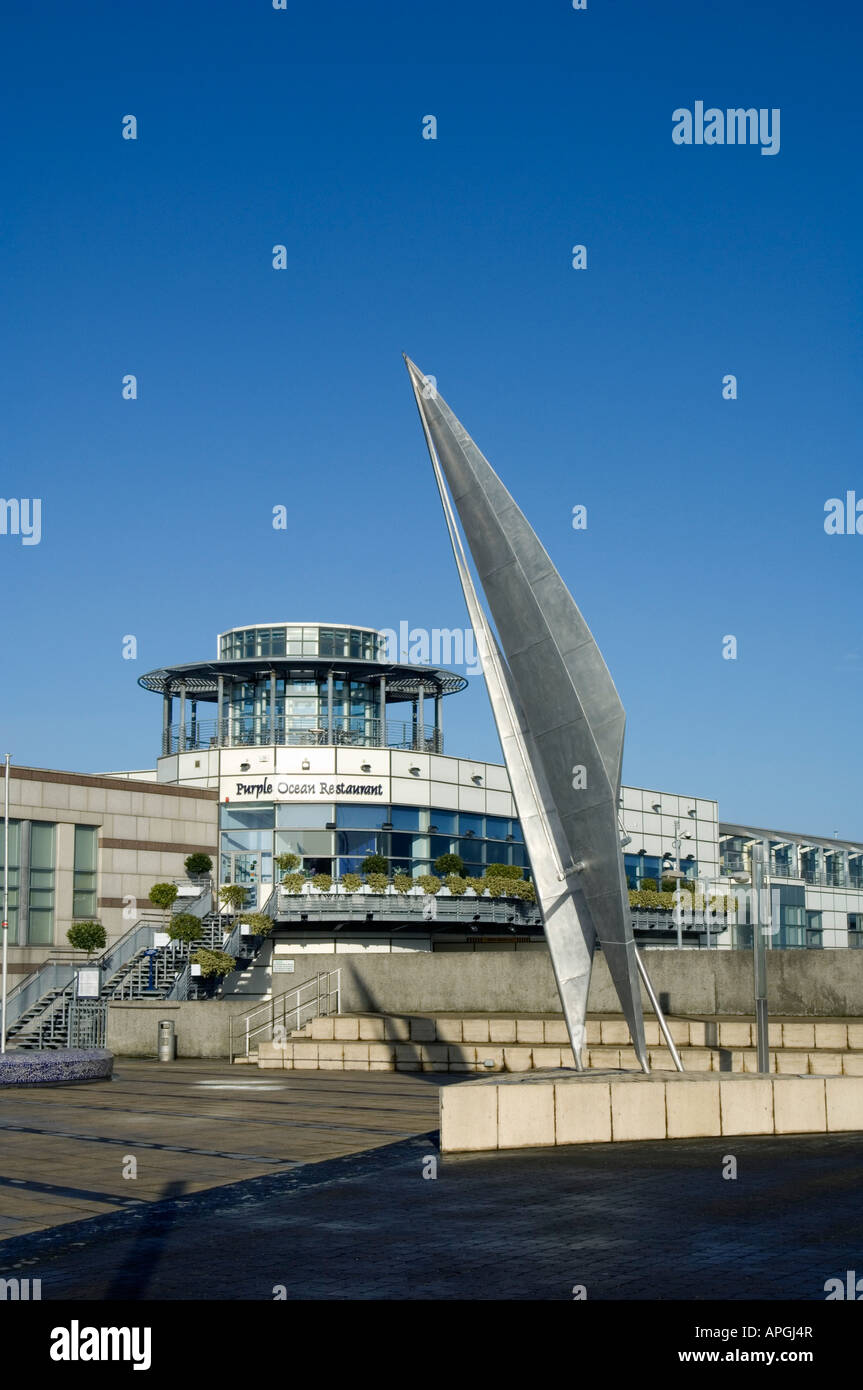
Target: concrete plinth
<point x="560" y="1107"/>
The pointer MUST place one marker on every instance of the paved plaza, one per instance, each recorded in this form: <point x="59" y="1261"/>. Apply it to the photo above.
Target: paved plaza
<point x="318" y="1186"/>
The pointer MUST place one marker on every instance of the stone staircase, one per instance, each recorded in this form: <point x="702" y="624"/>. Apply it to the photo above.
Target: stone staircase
<point x="494" y="1043"/>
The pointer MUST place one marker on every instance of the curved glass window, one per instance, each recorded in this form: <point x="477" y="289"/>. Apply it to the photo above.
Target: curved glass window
<point x="372" y="816"/>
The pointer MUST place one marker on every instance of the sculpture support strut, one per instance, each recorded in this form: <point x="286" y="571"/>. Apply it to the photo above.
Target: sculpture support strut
<point x="556" y="710"/>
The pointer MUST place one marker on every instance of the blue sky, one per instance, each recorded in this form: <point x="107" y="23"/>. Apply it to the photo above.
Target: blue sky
<point x="603" y="387"/>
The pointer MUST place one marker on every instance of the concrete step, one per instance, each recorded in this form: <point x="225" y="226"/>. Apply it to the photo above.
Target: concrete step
<point x="393" y="1055"/>
<point x="796" y="1034"/>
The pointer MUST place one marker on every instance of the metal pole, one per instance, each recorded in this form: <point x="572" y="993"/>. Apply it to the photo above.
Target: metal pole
<point x="5" y="928"/>
<point x="677" y="884"/>
<point x="759" y="953"/>
<point x="654" y="1003"/>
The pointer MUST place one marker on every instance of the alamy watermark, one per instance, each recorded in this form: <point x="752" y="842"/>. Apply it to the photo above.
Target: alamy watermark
<point x="436" y="646"/>
<point x="734" y="126"/>
<point x="21" y="517"/>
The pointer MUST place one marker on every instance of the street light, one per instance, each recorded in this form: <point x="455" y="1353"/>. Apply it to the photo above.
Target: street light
<point x="759" y="955"/>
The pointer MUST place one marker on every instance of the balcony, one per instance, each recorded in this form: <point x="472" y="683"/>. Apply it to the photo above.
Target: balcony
<point x="241" y="731"/>
<point x="391" y="908"/>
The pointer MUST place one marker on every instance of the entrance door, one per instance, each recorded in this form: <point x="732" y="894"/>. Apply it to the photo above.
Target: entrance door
<point x="246" y="870"/>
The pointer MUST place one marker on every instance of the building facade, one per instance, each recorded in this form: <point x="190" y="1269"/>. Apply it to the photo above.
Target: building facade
<point x="307" y="739"/>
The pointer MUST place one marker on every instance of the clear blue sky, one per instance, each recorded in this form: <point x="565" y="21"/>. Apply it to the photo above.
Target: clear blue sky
<point x="602" y="387"/>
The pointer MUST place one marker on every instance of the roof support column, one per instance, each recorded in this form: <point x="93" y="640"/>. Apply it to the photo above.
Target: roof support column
<point x="194" y="723"/>
<point x="220" y="703"/>
<point x="420" y="742"/>
<point x="273" y="707"/>
<point x="182" y="741"/>
<point x="329" y="706"/>
<point x="438" y="722"/>
<point x="382" y="712"/>
<point x="167" y="710"/>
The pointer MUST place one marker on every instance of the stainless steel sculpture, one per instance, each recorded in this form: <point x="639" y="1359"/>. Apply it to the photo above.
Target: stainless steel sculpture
<point x="559" y="718"/>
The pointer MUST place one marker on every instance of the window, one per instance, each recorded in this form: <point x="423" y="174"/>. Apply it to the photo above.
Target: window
<point x="14" y="877"/>
<point x="41" y="916"/>
<point x="310" y="817"/>
<point x="496" y="828"/>
<point x="84" y="871"/>
<point x="855" y="928"/>
<point x="372" y="816"/>
<point x="442" y="821"/>
<point x="405" y="817"/>
<point x="246" y="818"/>
<point x="470" y="822"/>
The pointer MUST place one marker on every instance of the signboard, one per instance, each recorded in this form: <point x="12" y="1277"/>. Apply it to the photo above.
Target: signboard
<point x="88" y="983"/>
<point x="306" y="787"/>
<point x="283" y="967"/>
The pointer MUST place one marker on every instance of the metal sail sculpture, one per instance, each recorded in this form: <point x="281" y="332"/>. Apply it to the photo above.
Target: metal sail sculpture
<point x="559" y="718"/>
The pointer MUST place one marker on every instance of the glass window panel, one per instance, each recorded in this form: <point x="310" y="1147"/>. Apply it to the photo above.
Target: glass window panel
<point x="277" y="642"/>
<point x="246" y="818"/>
<point x="467" y="821"/>
<point x="373" y="816"/>
<point x="316" y="842"/>
<point x="313" y="817"/>
<point x="401" y="846"/>
<point x="405" y="817"/>
<point x="42" y="846"/>
<point x="443" y="820"/>
<point x="243" y="840"/>
<point x="496" y="828"/>
<point x="353" y="842"/>
<point x="440" y="844"/>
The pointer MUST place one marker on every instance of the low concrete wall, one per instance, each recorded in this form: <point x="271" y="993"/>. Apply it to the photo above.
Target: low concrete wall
<point x="827" y="984"/>
<point x="201" y="1026"/>
<point x="818" y="984"/>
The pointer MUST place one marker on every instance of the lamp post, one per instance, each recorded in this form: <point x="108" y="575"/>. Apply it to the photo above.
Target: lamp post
<point x="676" y="874"/>
<point x="5" y="926"/>
<point x="758" y="879"/>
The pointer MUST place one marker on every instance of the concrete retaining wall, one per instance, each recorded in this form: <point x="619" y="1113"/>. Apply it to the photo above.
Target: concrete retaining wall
<point x="826" y="984"/>
<point x="201" y="1026"/>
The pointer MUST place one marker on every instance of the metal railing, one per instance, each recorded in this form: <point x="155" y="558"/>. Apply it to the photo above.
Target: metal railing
<point x="319" y="907"/>
<point x="317" y="996"/>
<point x="251" y="731"/>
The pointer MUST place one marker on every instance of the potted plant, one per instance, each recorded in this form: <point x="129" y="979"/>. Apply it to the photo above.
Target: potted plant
<point x="287" y="863"/>
<point x="87" y="936"/>
<point x="215" y="965"/>
<point x="323" y="882"/>
<point x="164" y="895"/>
<point x="198" y="866"/>
<point x="374" y="864"/>
<point x="185" y="928"/>
<point x="233" y="895"/>
<point x="446" y="864"/>
<point x="403" y="883"/>
<point x="352" y="883"/>
<point x="377" y="882"/>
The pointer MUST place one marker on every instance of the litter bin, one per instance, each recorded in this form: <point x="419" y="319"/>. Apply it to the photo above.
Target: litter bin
<point x="167" y="1048"/>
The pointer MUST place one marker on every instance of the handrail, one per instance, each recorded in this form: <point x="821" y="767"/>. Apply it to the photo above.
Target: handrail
<point x="324" y="990"/>
<point x="180" y="988"/>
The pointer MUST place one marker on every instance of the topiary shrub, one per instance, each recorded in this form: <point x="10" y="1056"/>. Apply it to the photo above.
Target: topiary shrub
<point x="403" y="883"/>
<point x="649" y="885"/>
<point x="197" y="865"/>
<point x="163" y="894"/>
<point x="86" y="936"/>
<point x="352" y="883"/>
<point x="233" y="895"/>
<point x="374" y="864"/>
<point x="323" y="881"/>
<point x="429" y="883"/>
<point x="478" y="885"/>
<point x="449" y="864"/>
<point x="286" y="863"/>
<point x="213" y="963"/>
<point x="503" y="871"/>
<point x="293" y="883"/>
<point x="498" y="887"/>
<point x="456" y="883"/>
<point x="185" y="927"/>
<point x="377" y="882"/>
<point x="259" y="922"/>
